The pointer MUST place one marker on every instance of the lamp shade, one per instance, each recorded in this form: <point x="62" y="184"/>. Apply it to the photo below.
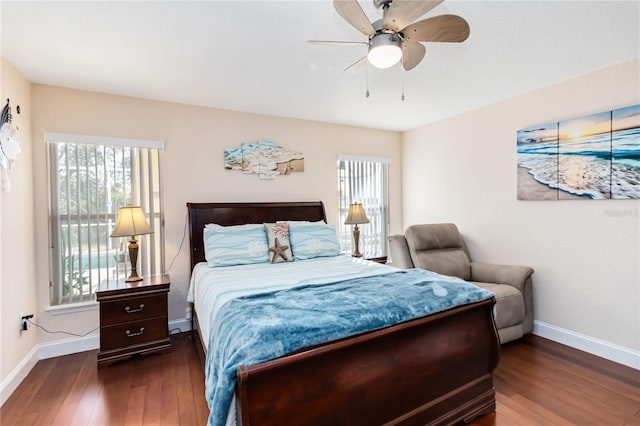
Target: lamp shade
<point x="131" y="221"/>
<point x="356" y="215"/>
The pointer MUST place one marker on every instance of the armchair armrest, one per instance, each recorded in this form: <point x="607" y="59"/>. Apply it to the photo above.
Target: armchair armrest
<point x="512" y="275"/>
<point x="399" y="250"/>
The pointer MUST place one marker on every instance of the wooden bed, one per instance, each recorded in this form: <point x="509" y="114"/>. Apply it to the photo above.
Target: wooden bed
<point x="431" y="370"/>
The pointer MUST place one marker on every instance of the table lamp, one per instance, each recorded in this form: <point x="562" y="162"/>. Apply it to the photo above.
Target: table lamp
<point x="131" y="222"/>
<point x="356" y="216"/>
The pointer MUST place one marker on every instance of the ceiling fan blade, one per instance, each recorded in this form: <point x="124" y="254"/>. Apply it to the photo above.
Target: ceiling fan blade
<point x="401" y="13"/>
<point x="339" y="42"/>
<point x="412" y="54"/>
<point x="356" y="62"/>
<point x="351" y="12"/>
<point x="444" y="28"/>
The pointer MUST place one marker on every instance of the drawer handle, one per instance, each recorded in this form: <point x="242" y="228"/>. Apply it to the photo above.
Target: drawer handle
<point x="139" y="333"/>
<point x="133" y="311"/>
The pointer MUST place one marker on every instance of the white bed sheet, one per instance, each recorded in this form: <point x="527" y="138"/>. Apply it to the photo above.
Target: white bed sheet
<point x="211" y="288"/>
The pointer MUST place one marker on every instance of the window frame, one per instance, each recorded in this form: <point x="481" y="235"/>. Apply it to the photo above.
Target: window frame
<point x="143" y="186"/>
<point x="358" y="192"/>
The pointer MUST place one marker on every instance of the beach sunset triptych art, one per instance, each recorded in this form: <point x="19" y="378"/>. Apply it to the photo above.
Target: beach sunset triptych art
<point x="593" y="157"/>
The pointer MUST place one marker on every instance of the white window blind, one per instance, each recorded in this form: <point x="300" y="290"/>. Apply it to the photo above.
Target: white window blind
<point x="90" y="178"/>
<point x="364" y="180"/>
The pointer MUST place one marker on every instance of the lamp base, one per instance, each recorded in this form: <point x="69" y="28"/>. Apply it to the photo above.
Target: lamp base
<point x="133" y="278"/>
<point x="133" y="256"/>
<point x="356" y="240"/>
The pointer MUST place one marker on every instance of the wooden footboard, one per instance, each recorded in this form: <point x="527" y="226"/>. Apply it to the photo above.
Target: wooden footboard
<point x="433" y="370"/>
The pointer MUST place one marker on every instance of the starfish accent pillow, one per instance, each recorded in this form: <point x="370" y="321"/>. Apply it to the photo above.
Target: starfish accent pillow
<point x="278" y="238"/>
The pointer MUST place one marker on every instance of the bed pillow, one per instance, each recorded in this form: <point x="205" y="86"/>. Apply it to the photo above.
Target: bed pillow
<point x="229" y="245"/>
<point x="278" y="239"/>
<point x="310" y="240"/>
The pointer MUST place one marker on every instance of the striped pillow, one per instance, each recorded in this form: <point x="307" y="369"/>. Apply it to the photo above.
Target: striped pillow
<point x="310" y="240"/>
<point x="227" y="246"/>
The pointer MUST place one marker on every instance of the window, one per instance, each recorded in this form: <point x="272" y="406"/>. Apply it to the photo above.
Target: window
<point x="364" y="180"/>
<point x="90" y="178"/>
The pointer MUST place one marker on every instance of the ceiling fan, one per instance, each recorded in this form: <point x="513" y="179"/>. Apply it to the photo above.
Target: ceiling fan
<point x="396" y="38"/>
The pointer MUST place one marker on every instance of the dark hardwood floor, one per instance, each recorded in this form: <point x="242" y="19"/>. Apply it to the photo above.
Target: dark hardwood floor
<point x="538" y="382"/>
<point x="162" y="389"/>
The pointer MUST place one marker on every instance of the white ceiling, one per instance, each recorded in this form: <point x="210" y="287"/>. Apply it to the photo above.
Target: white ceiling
<point x="253" y="56"/>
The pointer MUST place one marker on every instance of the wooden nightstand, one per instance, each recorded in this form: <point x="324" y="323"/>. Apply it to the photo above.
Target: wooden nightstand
<point x="133" y="318"/>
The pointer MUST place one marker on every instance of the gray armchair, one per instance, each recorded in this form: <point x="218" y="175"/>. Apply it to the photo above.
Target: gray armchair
<point x="441" y="248"/>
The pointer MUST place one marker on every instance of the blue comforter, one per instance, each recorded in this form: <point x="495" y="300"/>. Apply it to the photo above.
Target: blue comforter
<point x="252" y="329"/>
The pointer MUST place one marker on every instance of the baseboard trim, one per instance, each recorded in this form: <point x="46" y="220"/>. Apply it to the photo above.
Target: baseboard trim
<point x="17" y="375"/>
<point x="64" y="347"/>
<point x="601" y="348"/>
<point x="180" y="325"/>
<point x="68" y="346"/>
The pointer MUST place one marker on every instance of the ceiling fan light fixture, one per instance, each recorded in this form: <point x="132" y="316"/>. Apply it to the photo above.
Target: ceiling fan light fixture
<point x="385" y="50"/>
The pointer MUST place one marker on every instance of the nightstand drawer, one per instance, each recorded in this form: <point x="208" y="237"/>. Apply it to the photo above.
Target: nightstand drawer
<point x="133" y="309"/>
<point x="133" y="333"/>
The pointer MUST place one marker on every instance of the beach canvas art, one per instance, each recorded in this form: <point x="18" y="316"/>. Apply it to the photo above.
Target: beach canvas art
<point x="264" y="158"/>
<point x="625" y="152"/>
<point x="592" y="157"/>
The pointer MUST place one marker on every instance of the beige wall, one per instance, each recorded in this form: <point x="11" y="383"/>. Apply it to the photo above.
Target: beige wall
<point x="586" y="254"/>
<point x="17" y="267"/>
<point x="194" y="141"/>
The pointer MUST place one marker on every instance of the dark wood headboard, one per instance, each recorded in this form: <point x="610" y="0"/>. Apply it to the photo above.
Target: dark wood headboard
<point x="226" y="214"/>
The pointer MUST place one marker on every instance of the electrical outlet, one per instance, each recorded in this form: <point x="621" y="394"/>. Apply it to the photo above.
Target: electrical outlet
<point x="188" y="313"/>
<point x="24" y="322"/>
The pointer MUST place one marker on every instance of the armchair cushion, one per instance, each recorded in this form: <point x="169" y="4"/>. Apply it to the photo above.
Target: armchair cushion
<point x="439" y="248"/>
<point x="509" y="303"/>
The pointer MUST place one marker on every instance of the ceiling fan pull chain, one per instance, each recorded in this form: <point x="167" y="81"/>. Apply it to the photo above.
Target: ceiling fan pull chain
<point x="367" y="93"/>
<point x="402" y="70"/>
